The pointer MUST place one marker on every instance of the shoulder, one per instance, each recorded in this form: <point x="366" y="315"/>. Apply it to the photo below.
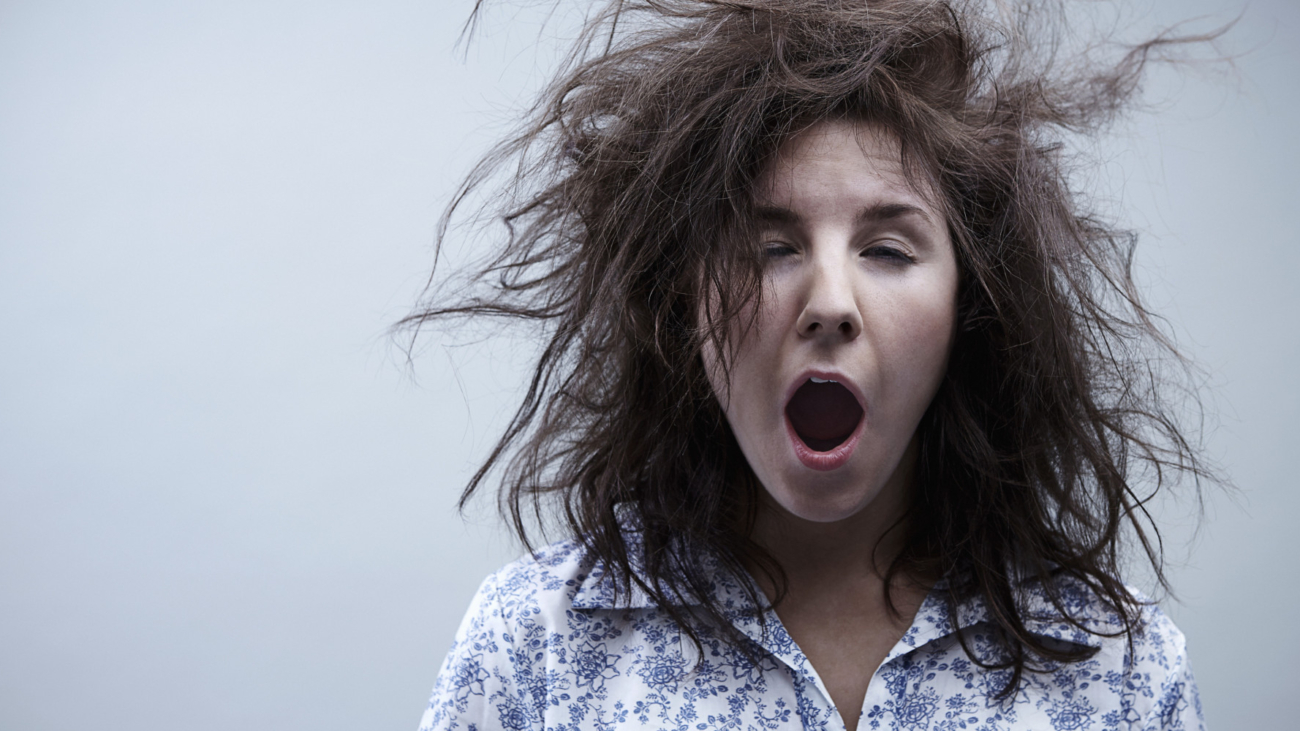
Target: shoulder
<point x="1160" y="672"/>
<point x="546" y="569"/>
<point x="1144" y="677"/>
<point x="1157" y="639"/>
<point x="502" y="638"/>
<point x="1072" y="611"/>
<point x="545" y="579"/>
<point x="1098" y="623"/>
<point x="566" y="575"/>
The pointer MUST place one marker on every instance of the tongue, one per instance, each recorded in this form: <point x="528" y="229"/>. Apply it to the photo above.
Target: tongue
<point x="823" y="415"/>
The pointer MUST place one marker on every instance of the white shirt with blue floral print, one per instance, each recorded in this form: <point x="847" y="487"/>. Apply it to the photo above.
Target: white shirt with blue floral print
<point x="547" y="646"/>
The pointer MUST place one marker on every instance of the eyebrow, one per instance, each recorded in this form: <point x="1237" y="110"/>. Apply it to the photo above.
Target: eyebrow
<point x="870" y="214"/>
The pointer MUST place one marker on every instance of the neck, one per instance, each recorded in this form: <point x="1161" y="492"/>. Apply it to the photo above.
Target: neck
<point x="856" y="549"/>
<point x="861" y="546"/>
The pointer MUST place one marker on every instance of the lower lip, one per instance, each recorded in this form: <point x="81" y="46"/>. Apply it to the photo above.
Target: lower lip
<point x="825" y="461"/>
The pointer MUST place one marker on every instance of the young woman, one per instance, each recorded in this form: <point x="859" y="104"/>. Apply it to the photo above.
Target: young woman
<point x="846" y="403"/>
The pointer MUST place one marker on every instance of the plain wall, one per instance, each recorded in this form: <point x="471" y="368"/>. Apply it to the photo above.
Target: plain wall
<point x="226" y="500"/>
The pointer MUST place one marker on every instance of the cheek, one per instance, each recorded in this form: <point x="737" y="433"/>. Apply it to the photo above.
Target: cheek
<point x="736" y="382"/>
<point x="935" y="333"/>
<point x="747" y="355"/>
<point x="921" y="339"/>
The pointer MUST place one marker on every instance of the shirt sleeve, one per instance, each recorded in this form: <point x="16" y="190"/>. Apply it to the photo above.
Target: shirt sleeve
<point x="477" y="688"/>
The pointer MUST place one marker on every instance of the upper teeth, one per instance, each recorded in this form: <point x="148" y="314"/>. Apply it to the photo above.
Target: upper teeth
<point x="815" y="379"/>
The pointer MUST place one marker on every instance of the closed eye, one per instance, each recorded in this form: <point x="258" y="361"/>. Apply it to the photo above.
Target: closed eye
<point x="778" y="250"/>
<point x="888" y="253"/>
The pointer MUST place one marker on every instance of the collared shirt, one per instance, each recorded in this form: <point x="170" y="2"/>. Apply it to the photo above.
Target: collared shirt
<point x="547" y="645"/>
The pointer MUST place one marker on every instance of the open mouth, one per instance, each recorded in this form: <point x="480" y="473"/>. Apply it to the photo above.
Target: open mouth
<point x="823" y="413"/>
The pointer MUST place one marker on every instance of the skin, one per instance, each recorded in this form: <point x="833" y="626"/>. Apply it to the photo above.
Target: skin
<point x="860" y="284"/>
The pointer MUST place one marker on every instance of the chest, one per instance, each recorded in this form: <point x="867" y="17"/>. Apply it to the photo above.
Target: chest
<point x="845" y="645"/>
<point x="646" y="676"/>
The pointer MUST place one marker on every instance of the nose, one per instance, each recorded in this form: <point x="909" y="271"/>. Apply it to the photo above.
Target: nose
<point x="830" y="309"/>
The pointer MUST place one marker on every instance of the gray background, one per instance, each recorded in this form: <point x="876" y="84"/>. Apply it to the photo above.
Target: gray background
<point x="225" y="501"/>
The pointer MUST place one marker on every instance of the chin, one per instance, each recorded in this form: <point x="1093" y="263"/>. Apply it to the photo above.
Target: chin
<point x="819" y="500"/>
<point x="817" y="513"/>
<point x="871" y="481"/>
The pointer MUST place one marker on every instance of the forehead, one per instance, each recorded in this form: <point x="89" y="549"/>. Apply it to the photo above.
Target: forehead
<point x="840" y="161"/>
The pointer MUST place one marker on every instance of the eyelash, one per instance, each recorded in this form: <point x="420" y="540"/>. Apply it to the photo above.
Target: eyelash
<point x="889" y="252"/>
<point x="778" y="250"/>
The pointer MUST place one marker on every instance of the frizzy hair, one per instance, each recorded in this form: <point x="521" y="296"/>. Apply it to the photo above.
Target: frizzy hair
<point x="629" y="194"/>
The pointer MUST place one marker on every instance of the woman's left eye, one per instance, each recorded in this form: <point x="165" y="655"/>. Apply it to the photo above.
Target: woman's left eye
<point x="888" y="253"/>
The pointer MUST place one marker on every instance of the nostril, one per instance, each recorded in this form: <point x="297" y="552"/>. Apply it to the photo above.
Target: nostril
<point x="841" y="324"/>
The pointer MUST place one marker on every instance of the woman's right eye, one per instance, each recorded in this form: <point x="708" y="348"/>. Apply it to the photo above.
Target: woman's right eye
<point x="778" y="250"/>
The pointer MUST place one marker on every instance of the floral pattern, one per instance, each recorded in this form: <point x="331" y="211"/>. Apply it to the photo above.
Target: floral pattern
<point x="547" y="646"/>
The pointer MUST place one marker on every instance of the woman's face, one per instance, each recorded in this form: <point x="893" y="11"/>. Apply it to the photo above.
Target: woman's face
<point x="859" y="302"/>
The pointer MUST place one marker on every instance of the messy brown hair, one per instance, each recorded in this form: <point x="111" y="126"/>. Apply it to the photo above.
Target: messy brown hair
<point x="627" y="193"/>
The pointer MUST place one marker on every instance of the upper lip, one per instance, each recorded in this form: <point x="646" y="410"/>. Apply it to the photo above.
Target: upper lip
<point x="828" y="374"/>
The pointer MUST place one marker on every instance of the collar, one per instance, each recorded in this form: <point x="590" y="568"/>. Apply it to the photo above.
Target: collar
<point x="595" y="590"/>
<point x="1039" y="615"/>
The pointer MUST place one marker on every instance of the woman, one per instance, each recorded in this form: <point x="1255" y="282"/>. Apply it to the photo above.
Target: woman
<point x="846" y="401"/>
